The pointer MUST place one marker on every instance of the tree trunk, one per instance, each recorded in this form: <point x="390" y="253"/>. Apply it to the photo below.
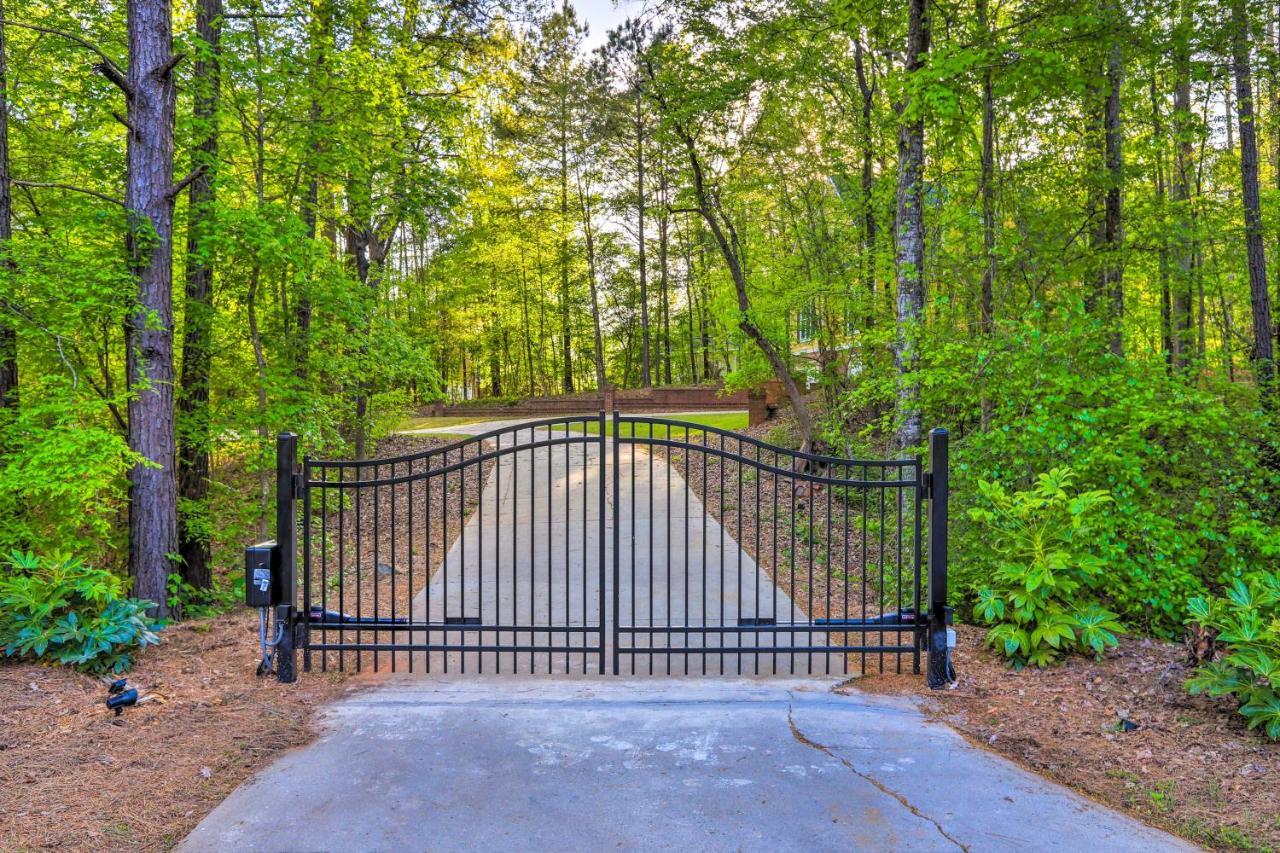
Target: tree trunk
<point x="1263" y="353"/>
<point x="528" y="333"/>
<point x="197" y="338"/>
<point x="1180" y="326"/>
<point x="589" y="234"/>
<point x="869" y="227"/>
<point x="320" y="33"/>
<point x="1162" y="227"/>
<point x="987" y="286"/>
<point x="988" y="189"/>
<point x="726" y="238"/>
<point x="910" y="236"/>
<point x="1113" y="236"/>
<point x="566" y="330"/>
<point x="690" y="302"/>
<point x="663" y="278"/>
<point x="646" y="378"/>
<point x="153" y="516"/>
<point x="8" y="335"/>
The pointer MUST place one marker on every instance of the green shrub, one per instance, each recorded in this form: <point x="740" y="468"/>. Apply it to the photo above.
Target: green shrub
<point x="1247" y="621"/>
<point x="62" y="477"/>
<point x="59" y="610"/>
<point x="188" y="602"/>
<point x="1040" y="596"/>
<point x="1193" y="505"/>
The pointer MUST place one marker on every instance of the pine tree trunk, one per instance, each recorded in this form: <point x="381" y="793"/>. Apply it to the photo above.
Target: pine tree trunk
<point x="1113" y="236"/>
<point x="153" y="516"/>
<point x="197" y="338"/>
<point x="910" y="237"/>
<point x="1181" y="336"/>
<point x="646" y="378"/>
<point x="987" y="285"/>
<point x="8" y="335"/>
<point x="869" y="227"/>
<point x="663" y="278"/>
<point x="988" y="191"/>
<point x="588" y="232"/>
<point x="566" y="330"/>
<point x="320" y="32"/>
<point x="1260" y="298"/>
<point x="690" y="302"/>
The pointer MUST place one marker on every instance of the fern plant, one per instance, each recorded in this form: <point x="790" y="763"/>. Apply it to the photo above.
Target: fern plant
<point x="60" y="610"/>
<point x="1039" y="600"/>
<point x="1247" y="621"/>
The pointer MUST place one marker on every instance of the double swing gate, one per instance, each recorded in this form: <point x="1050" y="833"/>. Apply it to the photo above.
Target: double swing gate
<point x="628" y="545"/>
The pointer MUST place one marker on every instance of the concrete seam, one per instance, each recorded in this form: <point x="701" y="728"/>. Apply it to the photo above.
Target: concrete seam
<point x="884" y="789"/>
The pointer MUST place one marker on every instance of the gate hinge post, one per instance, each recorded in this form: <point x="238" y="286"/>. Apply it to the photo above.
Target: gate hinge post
<point x="287" y="493"/>
<point x="940" y="671"/>
<point x="298" y="486"/>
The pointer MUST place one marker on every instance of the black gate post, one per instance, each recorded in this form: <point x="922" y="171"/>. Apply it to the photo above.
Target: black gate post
<point x="617" y="528"/>
<point x="286" y="658"/>
<point x="939" y="674"/>
<point x="602" y="475"/>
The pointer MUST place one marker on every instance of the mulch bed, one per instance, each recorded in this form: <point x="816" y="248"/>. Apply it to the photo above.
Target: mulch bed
<point x="1191" y="767"/>
<point x="73" y="776"/>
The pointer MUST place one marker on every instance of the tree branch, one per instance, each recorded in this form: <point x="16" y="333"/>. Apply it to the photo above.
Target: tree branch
<point x="186" y="182"/>
<point x="114" y="74"/>
<point x="165" y="70"/>
<point x="67" y="187"/>
<point x="107" y="62"/>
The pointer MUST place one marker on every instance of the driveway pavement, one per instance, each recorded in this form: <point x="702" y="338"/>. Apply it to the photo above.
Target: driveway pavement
<point x="513" y="763"/>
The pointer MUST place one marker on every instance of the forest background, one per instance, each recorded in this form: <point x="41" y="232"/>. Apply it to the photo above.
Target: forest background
<point x="1042" y="224"/>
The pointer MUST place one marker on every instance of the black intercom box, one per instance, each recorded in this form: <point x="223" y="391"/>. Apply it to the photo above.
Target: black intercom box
<point x="263" y="584"/>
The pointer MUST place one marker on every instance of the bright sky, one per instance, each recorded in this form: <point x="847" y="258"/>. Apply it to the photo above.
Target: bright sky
<point x="604" y="15"/>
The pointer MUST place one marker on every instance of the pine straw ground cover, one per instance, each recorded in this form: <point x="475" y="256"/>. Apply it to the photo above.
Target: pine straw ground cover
<point x="1190" y="767"/>
<point x="75" y="777"/>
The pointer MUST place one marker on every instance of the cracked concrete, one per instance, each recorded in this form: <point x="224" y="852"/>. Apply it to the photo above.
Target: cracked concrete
<point x="880" y="786"/>
<point x="547" y="763"/>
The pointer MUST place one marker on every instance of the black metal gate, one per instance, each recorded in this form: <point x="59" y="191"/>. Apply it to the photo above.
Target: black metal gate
<point x="670" y="548"/>
<point x="774" y="561"/>
<point x="461" y="558"/>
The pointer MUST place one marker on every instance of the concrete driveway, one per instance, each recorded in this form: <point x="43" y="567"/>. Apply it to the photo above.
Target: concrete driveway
<point x="516" y="763"/>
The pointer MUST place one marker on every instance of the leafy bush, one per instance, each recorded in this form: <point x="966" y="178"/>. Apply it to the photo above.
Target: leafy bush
<point x="188" y="602"/>
<point x="1039" y="598"/>
<point x="1193" y="507"/>
<point x="1247" y="620"/>
<point x="62" y="477"/>
<point x="60" y="610"/>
